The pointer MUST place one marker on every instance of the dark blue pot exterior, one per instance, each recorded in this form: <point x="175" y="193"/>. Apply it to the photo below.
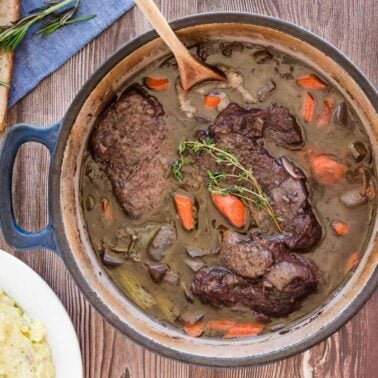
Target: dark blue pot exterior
<point x="14" y="235"/>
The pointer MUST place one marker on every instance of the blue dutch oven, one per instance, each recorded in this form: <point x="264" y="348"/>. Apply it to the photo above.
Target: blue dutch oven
<point x="66" y="233"/>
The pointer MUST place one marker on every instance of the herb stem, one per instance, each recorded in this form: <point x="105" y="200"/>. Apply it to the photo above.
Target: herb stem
<point x="259" y="198"/>
<point x="233" y="160"/>
<point x="11" y="36"/>
<point x="2" y="83"/>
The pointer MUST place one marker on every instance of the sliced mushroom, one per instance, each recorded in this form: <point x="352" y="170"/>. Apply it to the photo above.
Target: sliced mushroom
<point x="287" y="76"/>
<point x="366" y="178"/>
<point x="202" y="119"/>
<point x="230" y="48"/>
<point x="157" y="271"/>
<point x="291" y="169"/>
<point x="89" y="203"/>
<point x="191" y="317"/>
<point x="162" y="241"/>
<point x="264" y="92"/>
<point x="358" y="151"/>
<point x="353" y="198"/>
<point x="195" y="252"/>
<point x="187" y="292"/>
<point x="110" y="259"/>
<point x="341" y="113"/>
<point x="368" y="183"/>
<point x="194" y="265"/>
<point x="262" y="56"/>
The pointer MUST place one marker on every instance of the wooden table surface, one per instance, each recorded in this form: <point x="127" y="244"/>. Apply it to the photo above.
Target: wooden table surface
<point x="350" y="25"/>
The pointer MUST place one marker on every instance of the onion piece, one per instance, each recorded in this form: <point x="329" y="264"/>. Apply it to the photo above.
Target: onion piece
<point x="291" y="169"/>
<point x="353" y="198"/>
<point x="194" y="265"/>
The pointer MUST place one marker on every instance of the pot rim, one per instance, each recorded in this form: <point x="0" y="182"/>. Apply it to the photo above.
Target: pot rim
<point x="55" y="177"/>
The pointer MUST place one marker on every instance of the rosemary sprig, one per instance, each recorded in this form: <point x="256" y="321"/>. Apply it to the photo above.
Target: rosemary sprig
<point x="11" y="36"/>
<point x="62" y="19"/>
<point x="4" y="84"/>
<point x="251" y="191"/>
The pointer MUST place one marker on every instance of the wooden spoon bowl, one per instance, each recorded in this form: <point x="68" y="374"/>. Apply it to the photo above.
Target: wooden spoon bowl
<point x="192" y="71"/>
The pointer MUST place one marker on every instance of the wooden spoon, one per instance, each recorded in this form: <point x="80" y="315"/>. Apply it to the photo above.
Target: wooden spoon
<point x="192" y="71"/>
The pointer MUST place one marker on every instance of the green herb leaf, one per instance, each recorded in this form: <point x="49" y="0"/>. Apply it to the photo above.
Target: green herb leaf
<point x="4" y="84"/>
<point x="11" y="36"/>
<point x="176" y="169"/>
<point x="181" y="148"/>
<point x="52" y="26"/>
<point x="249" y="188"/>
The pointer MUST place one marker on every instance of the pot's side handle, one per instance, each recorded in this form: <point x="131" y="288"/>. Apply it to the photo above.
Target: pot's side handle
<point x="15" y="235"/>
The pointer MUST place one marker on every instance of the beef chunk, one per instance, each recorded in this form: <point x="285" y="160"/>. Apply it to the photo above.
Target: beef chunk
<point x="244" y="257"/>
<point x="238" y="130"/>
<point x="274" y="123"/>
<point x="130" y="140"/>
<point x="283" y="273"/>
<point x="273" y="285"/>
<point x="218" y="286"/>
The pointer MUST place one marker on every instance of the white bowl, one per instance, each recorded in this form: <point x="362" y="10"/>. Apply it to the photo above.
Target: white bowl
<point x="37" y="299"/>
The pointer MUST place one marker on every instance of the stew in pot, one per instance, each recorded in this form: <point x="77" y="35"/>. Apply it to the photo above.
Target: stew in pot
<point x="236" y="208"/>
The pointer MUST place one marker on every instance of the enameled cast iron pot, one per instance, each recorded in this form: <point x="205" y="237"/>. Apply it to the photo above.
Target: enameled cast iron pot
<point x="66" y="233"/>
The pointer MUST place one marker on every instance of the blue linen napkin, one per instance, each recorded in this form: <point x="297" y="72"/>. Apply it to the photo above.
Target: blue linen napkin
<point x="37" y="57"/>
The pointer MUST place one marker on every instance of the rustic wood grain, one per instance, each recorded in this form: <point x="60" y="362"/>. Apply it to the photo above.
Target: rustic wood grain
<point x="352" y="352"/>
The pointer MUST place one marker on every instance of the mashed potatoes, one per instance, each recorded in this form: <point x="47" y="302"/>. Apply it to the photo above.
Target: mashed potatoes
<point x="24" y="352"/>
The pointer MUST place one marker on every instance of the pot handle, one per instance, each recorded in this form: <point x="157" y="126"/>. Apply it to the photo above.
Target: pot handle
<point x="13" y="234"/>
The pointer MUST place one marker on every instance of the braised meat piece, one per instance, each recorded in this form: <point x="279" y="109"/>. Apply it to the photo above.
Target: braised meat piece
<point x="130" y="140"/>
<point x="218" y="286"/>
<point x="274" y="283"/>
<point x="238" y="130"/>
<point x="275" y="123"/>
<point x="243" y="257"/>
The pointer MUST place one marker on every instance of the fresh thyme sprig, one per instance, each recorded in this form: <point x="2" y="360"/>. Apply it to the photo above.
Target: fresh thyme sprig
<point x="176" y="169"/>
<point x="11" y="36"/>
<point x="2" y="83"/>
<point x="252" y="192"/>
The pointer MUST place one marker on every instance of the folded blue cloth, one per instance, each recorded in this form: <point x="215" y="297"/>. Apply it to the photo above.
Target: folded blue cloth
<point x="38" y="56"/>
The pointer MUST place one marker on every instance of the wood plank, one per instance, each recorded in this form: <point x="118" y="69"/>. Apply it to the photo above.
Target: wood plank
<point x="351" y="352"/>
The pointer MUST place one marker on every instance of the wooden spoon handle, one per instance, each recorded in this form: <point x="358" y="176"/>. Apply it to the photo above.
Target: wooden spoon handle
<point x="157" y="20"/>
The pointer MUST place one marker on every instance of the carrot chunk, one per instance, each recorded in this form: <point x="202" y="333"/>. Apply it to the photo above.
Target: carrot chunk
<point x="308" y="107"/>
<point x="156" y="83"/>
<point x="184" y="207"/>
<point x="211" y="101"/>
<point x="325" y="114"/>
<point x="310" y="82"/>
<point x="339" y="228"/>
<point x="231" y="207"/>
<point x="194" y="330"/>
<point x="327" y="170"/>
<point x="107" y="213"/>
<point x="248" y="329"/>
<point x="351" y="262"/>
<point x="220" y="325"/>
